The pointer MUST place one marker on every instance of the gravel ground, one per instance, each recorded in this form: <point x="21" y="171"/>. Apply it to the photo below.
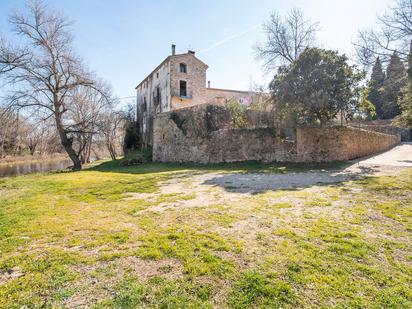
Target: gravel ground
<point x="387" y="163"/>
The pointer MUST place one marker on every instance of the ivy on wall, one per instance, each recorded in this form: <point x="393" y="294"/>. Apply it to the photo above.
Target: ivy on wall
<point x="238" y="113"/>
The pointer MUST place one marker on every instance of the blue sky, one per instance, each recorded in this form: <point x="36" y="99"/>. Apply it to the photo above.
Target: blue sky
<point x="124" y="40"/>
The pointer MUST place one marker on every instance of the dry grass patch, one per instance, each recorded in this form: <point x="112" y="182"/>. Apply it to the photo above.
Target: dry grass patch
<point x="143" y="237"/>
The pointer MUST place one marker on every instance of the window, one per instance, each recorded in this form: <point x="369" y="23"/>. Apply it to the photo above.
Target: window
<point x="182" y="68"/>
<point x="157" y="99"/>
<point x="157" y="75"/>
<point x="183" y="88"/>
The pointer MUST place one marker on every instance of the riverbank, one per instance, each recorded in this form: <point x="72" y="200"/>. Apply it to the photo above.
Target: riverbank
<point x="34" y="158"/>
<point x="14" y="166"/>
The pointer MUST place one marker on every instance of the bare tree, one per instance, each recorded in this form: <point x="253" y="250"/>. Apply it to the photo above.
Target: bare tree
<point x="286" y="38"/>
<point x="10" y="55"/>
<point x="39" y="136"/>
<point x="112" y="129"/>
<point x="45" y="71"/>
<point x="20" y="133"/>
<point x="392" y="34"/>
<point x="8" y="132"/>
<point x="86" y="112"/>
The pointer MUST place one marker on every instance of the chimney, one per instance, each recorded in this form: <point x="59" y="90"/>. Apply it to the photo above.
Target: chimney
<point x="208" y="84"/>
<point x="173" y="49"/>
<point x="191" y="52"/>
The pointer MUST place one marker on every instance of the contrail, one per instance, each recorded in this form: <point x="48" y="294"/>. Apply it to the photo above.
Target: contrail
<point x="233" y="36"/>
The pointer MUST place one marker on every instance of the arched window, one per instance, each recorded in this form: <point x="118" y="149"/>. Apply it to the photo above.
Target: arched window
<point x="182" y="68"/>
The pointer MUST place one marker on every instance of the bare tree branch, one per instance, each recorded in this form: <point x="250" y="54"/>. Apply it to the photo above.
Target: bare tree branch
<point x="50" y="78"/>
<point x="393" y="33"/>
<point x="286" y="38"/>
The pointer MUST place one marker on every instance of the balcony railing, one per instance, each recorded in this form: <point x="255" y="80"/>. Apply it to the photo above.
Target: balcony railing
<point x="176" y="93"/>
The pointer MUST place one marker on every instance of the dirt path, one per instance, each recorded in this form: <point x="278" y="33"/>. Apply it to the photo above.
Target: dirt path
<point x="401" y="156"/>
<point x="387" y="163"/>
<point x="390" y="162"/>
<point x="222" y="188"/>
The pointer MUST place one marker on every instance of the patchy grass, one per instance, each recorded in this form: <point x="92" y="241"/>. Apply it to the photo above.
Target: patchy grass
<point x="243" y="167"/>
<point x="102" y="238"/>
<point x="159" y="292"/>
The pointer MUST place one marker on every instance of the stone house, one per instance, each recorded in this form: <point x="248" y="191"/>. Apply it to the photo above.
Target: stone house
<point x="179" y="81"/>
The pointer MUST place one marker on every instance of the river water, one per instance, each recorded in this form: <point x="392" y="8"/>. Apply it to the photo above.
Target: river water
<point x="21" y="168"/>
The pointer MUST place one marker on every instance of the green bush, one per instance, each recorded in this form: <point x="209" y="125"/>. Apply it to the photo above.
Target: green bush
<point x="132" y="139"/>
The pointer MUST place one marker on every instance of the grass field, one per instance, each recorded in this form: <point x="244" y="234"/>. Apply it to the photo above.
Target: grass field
<point x="114" y="237"/>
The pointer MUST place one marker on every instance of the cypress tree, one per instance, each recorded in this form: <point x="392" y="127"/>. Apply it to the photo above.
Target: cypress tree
<point x="409" y="71"/>
<point x="405" y="103"/>
<point x="394" y="81"/>
<point x="375" y="95"/>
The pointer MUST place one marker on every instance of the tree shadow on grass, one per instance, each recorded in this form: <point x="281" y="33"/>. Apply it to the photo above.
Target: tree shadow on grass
<point x="247" y="167"/>
<point x="257" y="183"/>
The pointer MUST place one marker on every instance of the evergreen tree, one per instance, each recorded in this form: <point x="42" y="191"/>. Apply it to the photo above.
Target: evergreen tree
<point x="316" y="88"/>
<point x="405" y="103"/>
<point x="409" y="71"/>
<point x="375" y="95"/>
<point x="394" y="81"/>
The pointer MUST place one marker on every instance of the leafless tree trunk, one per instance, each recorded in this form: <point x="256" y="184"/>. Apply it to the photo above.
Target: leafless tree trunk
<point x="112" y="128"/>
<point x="88" y="111"/>
<point x="286" y="38"/>
<point x="45" y="70"/>
<point x="8" y="132"/>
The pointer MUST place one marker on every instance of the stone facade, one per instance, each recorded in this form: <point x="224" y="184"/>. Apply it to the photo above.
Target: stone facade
<point x="195" y="78"/>
<point x="161" y="91"/>
<point x="200" y="134"/>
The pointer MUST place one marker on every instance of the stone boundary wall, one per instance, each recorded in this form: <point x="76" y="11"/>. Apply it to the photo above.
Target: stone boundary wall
<point x="199" y="135"/>
<point x="340" y="143"/>
<point x="224" y="146"/>
<point x="406" y="134"/>
<point x="197" y="145"/>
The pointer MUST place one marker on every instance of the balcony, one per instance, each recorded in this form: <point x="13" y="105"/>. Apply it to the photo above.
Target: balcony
<point x="176" y="93"/>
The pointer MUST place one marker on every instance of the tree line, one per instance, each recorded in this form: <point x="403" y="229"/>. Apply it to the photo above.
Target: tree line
<point x="54" y="103"/>
<point x="384" y="88"/>
<point x="315" y="86"/>
<point x="63" y="104"/>
<point x="20" y="135"/>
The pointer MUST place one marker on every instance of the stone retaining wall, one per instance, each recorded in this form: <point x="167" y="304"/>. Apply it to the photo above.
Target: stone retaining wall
<point x="199" y="135"/>
<point x="221" y="146"/>
<point x="340" y="143"/>
<point x="406" y="134"/>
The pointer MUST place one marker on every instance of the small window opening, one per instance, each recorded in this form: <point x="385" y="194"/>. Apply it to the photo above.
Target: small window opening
<point x="183" y="88"/>
<point x="182" y="68"/>
<point x="157" y="75"/>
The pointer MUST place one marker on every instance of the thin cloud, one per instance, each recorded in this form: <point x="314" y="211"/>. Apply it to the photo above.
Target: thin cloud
<point x="233" y="36"/>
